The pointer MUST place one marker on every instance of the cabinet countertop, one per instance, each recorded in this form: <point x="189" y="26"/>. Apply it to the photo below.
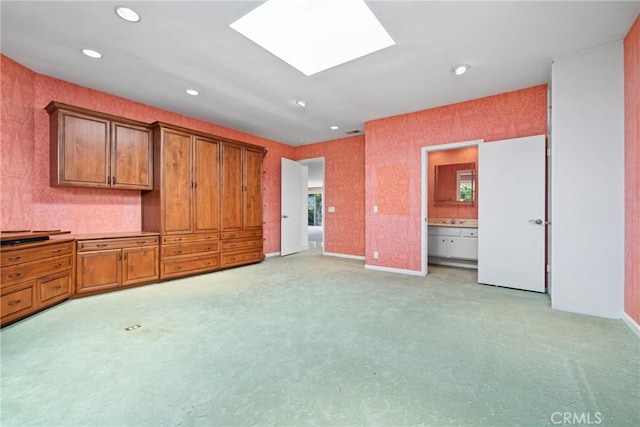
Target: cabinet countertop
<point x="117" y="235"/>
<point x="431" y="224"/>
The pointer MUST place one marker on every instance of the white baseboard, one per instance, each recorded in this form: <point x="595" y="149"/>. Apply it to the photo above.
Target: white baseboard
<point x="631" y="323"/>
<point x="272" y="254"/>
<point x="393" y="270"/>
<point x="360" y="258"/>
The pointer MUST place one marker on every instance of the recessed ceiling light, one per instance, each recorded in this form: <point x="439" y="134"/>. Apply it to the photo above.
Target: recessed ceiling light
<point x="301" y="103"/>
<point x="127" y="14"/>
<point x="92" y="53"/>
<point x="460" y="69"/>
<point x="334" y="128"/>
<point x="193" y="92"/>
<point x="313" y="36"/>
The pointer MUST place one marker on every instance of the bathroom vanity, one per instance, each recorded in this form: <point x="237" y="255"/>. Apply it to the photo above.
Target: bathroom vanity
<point x="453" y="243"/>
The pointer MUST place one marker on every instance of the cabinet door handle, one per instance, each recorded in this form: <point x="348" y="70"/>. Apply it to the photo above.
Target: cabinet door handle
<point x="13" y="276"/>
<point x="125" y="257"/>
<point x="109" y="180"/>
<point x="113" y="180"/>
<point x="195" y="185"/>
<point x="14" y="258"/>
<point x="55" y="288"/>
<point x="15" y="302"/>
<point x="102" y="245"/>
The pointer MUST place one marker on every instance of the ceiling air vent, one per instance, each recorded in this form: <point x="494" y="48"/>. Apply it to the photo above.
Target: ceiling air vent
<point x="353" y="132"/>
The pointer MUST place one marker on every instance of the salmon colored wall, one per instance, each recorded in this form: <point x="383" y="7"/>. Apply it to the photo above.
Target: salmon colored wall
<point x="344" y="190"/>
<point x="29" y="202"/>
<point x="448" y="157"/>
<point x="393" y="163"/>
<point x="632" y="171"/>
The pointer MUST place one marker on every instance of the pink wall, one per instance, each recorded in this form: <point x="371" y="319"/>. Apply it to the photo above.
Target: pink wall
<point x="393" y="163"/>
<point x="27" y="199"/>
<point x="632" y="171"/>
<point x="445" y="157"/>
<point x="344" y="190"/>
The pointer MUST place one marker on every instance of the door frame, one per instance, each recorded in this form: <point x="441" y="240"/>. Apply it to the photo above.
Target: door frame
<point x="424" y="255"/>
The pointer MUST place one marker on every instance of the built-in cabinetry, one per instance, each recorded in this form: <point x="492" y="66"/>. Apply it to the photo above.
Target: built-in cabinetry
<point x="206" y="202"/>
<point x="120" y="260"/>
<point x="91" y="149"/>
<point x="241" y="204"/>
<point x="456" y="246"/>
<point x="35" y="276"/>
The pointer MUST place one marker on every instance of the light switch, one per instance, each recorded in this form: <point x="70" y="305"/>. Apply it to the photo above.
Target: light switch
<point x="375" y="208"/>
<point x="331" y="209"/>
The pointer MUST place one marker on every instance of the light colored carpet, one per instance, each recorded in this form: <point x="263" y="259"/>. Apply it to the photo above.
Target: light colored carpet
<point x="312" y="340"/>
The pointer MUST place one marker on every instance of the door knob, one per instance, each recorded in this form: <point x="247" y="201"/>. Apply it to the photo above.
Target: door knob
<point x="536" y="221"/>
<point x="285" y="216"/>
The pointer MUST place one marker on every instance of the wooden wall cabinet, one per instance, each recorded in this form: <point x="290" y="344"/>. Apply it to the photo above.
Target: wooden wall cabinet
<point x="108" y="263"/>
<point x="35" y="276"/>
<point x="205" y="188"/>
<point x="184" y="206"/>
<point x="241" y="205"/>
<point x="91" y="149"/>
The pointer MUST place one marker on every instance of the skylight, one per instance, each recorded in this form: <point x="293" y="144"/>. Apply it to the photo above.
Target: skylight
<point x="314" y="35"/>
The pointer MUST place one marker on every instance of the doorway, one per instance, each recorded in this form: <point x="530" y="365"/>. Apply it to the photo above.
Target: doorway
<point x="315" y="202"/>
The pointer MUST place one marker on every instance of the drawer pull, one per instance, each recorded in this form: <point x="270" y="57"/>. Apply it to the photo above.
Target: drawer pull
<point x="56" y="250"/>
<point x="207" y="238"/>
<point x="178" y="252"/>
<point x="208" y="248"/>
<point x="55" y="288"/>
<point x="13" y="276"/>
<point x="232" y="246"/>
<point x="14" y="258"/>
<point x="178" y="239"/>
<point x="15" y="302"/>
<point x="56" y="265"/>
<point x="178" y="268"/>
<point x="141" y="242"/>
<point x="207" y="263"/>
<point x="102" y="245"/>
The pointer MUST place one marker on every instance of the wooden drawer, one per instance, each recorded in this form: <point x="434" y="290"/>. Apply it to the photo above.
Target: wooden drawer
<point x="241" y="244"/>
<point x="102" y="244"/>
<point x="12" y="257"/>
<point x="30" y="270"/>
<point x="184" y="266"/>
<point x="240" y="258"/>
<point x="172" y="251"/>
<point x="54" y="288"/>
<point x="188" y="238"/>
<point x="241" y="234"/>
<point x="17" y="301"/>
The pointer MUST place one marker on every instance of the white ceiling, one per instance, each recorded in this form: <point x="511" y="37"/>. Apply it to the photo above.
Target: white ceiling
<point x="185" y="44"/>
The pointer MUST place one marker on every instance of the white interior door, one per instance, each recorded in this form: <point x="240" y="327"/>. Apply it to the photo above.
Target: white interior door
<point x="511" y="213"/>
<point x="293" y="199"/>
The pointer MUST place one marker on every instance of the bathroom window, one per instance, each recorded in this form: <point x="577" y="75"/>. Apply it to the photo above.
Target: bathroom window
<point x="465" y="185"/>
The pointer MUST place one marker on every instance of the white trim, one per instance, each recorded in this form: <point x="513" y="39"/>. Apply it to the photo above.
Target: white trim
<point x="631" y="324"/>
<point x="272" y="254"/>
<point x="358" y="257"/>
<point x="393" y="270"/>
<point x="425" y="196"/>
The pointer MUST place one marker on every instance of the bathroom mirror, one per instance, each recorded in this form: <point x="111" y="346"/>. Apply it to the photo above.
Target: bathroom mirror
<point x="455" y="184"/>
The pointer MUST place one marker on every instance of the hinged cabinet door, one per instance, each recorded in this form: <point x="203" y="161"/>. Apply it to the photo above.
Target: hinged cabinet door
<point x="140" y="265"/>
<point x="232" y="184"/>
<point x="177" y="183"/>
<point x="206" y="194"/>
<point x="252" y="189"/>
<point x="132" y="157"/>
<point x="83" y="151"/>
<point x="98" y="270"/>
